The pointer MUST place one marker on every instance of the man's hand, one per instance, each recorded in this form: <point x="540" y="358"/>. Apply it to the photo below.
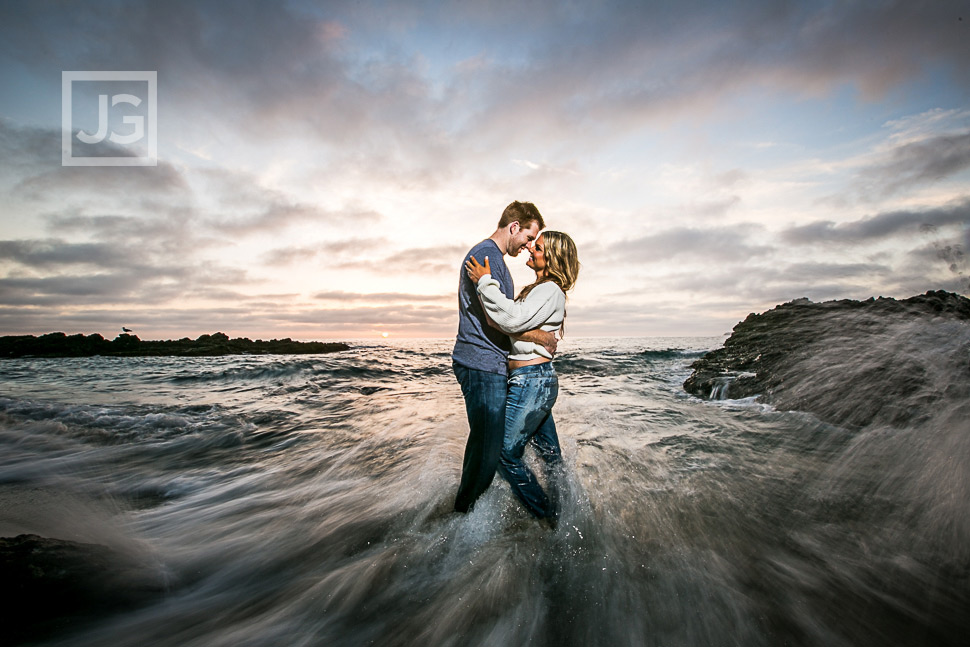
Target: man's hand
<point x="541" y="337"/>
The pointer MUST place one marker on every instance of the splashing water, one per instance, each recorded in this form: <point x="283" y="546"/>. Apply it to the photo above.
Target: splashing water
<point x="307" y="501"/>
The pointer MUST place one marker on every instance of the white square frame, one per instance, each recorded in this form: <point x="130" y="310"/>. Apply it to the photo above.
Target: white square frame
<point x="67" y="125"/>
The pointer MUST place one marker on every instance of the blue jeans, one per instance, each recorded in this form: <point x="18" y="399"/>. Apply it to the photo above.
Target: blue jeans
<point x="485" y="405"/>
<point x="533" y="391"/>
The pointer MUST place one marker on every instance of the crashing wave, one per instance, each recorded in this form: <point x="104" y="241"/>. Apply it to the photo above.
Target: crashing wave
<point x="851" y="363"/>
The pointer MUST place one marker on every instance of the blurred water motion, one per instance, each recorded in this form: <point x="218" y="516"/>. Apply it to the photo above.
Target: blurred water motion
<point x="307" y="501"/>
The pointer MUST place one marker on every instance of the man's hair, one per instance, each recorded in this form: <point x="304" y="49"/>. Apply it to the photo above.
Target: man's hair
<point x="525" y="213"/>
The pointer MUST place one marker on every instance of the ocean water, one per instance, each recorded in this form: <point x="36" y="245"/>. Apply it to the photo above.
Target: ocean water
<point x="306" y="500"/>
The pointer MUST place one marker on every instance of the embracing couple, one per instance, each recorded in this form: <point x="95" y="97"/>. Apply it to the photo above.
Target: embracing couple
<point x="503" y="358"/>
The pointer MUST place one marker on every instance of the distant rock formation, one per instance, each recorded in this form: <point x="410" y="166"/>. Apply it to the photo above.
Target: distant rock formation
<point x="58" y="344"/>
<point x="53" y="585"/>
<point x="848" y="362"/>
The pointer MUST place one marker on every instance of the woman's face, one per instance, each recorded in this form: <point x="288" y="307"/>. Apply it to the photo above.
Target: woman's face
<point x="537" y="255"/>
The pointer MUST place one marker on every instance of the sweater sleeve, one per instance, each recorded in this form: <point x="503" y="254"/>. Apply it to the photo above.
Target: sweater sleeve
<point x="514" y="317"/>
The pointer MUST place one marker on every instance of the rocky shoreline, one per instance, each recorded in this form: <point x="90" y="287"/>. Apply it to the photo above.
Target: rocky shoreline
<point x="808" y="356"/>
<point x="58" y="344"/>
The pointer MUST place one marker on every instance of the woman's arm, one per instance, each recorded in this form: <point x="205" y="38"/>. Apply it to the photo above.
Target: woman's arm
<point x="514" y="317"/>
<point x="521" y="319"/>
<point x="537" y="336"/>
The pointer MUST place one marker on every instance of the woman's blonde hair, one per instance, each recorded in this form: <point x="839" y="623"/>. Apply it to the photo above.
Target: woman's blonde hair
<point x="562" y="264"/>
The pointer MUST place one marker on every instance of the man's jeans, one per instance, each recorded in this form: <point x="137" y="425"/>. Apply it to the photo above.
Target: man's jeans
<point x="533" y="391"/>
<point x="485" y="405"/>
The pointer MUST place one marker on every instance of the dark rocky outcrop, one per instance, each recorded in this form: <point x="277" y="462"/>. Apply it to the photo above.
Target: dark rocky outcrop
<point x="849" y="362"/>
<point x="53" y="585"/>
<point x="58" y="344"/>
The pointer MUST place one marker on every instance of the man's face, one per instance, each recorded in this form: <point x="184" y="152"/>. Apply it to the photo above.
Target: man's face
<point x="522" y="238"/>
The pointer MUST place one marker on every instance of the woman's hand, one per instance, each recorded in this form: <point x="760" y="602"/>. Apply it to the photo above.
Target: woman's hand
<point x="476" y="271"/>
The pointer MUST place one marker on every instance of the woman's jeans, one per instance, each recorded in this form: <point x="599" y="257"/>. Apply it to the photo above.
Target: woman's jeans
<point x="532" y="392"/>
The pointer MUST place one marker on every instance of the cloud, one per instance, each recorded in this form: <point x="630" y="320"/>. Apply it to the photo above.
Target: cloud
<point x="731" y="178"/>
<point x="916" y="163"/>
<point x="416" y="260"/>
<point x="365" y="93"/>
<point x="816" y="271"/>
<point x="310" y="79"/>
<point x="76" y="289"/>
<point x="271" y="215"/>
<point x="152" y="230"/>
<point x="398" y="315"/>
<point x="945" y="257"/>
<point x="147" y="284"/>
<point x="711" y="209"/>
<point x="127" y="241"/>
<point x="32" y="167"/>
<point x="334" y="131"/>
<point x="121" y="235"/>
<point x="148" y="321"/>
<point x="151" y="322"/>
<point x="681" y="318"/>
<point x="912" y="154"/>
<point x="127" y="260"/>
<point x="27" y="150"/>
<point x="284" y="256"/>
<point x="236" y="203"/>
<point x="950" y="253"/>
<point x="713" y="244"/>
<point x="626" y="65"/>
<point x="342" y="252"/>
<point x="878" y="227"/>
<point x="152" y="256"/>
<point x="763" y="286"/>
<point x="44" y="254"/>
<point x="381" y="296"/>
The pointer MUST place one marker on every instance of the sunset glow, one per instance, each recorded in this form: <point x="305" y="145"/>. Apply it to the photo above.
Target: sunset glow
<point x="323" y="167"/>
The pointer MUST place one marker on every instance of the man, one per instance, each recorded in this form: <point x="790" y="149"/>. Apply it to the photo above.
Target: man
<point x="480" y="356"/>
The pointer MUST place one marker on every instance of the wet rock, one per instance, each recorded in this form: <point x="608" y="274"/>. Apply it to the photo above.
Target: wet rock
<point x="51" y="585"/>
<point x="849" y="362"/>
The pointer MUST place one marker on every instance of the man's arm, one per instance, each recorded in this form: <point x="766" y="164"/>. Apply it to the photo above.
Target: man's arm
<point x="541" y="337"/>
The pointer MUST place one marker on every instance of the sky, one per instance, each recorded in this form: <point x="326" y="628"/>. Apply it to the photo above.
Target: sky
<point x="322" y="167"/>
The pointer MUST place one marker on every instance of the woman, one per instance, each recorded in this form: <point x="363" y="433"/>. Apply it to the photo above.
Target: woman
<point x="533" y="384"/>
